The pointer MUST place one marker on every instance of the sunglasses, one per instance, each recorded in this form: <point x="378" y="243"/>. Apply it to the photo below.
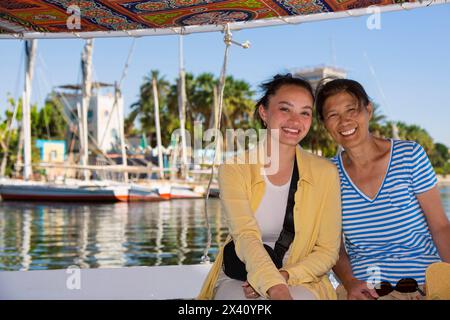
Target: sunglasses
<point x="405" y="285"/>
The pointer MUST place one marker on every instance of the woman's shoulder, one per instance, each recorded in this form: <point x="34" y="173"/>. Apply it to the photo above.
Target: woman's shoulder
<point x="407" y="147"/>
<point x="319" y="163"/>
<point x="240" y="165"/>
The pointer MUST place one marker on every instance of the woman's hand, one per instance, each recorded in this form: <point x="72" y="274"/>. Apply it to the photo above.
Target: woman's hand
<point x="279" y="292"/>
<point x="249" y="292"/>
<point x="358" y="290"/>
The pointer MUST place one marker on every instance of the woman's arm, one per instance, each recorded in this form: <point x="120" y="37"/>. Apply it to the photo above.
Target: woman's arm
<point x="326" y="249"/>
<point x="356" y="289"/>
<point x="343" y="268"/>
<point x="262" y="273"/>
<point x="431" y="204"/>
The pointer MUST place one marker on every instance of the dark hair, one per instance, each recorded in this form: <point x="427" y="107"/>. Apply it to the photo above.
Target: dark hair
<point x="271" y="87"/>
<point x="328" y="87"/>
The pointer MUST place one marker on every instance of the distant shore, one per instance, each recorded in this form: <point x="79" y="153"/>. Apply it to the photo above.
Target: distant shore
<point x="442" y="180"/>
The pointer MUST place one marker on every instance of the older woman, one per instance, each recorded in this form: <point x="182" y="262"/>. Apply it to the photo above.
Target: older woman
<point x="257" y="201"/>
<point x="394" y="224"/>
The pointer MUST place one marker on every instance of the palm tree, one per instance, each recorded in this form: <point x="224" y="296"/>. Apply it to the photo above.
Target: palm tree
<point x="377" y="121"/>
<point x="143" y="109"/>
<point x="50" y="121"/>
<point x="417" y="134"/>
<point x="238" y="104"/>
<point x="318" y="139"/>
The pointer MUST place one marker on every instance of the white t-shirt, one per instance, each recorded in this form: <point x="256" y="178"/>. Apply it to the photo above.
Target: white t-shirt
<point x="271" y="211"/>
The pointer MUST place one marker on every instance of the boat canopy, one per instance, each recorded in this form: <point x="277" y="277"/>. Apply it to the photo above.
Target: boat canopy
<point x="32" y="19"/>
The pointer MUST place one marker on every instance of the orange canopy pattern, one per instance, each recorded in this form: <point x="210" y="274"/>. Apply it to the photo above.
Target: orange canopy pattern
<point x="56" y="16"/>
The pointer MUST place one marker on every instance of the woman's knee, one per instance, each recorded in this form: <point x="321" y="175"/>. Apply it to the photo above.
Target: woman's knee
<point x="301" y="293"/>
<point x="230" y="290"/>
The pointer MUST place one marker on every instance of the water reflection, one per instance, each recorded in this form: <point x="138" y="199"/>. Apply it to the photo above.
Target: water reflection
<point x="445" y="195"/>
<point x="53" y="236"/>
<point x="26" y="241"/>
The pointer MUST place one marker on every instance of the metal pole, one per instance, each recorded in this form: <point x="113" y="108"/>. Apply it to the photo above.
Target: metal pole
<point x="121" y="131"/>
<point x="87" y="87"/>
<point x="158" y="128"/>
<point x="30" y="52"/>
<point x="182" y="108"/>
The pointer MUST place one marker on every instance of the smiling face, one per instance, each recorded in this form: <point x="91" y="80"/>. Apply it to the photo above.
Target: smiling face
<point x="346" y="120"/>
<point x="290" y="111"/>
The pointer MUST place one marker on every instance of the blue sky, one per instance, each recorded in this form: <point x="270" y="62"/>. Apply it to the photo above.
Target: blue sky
<point x="410" y="55"/>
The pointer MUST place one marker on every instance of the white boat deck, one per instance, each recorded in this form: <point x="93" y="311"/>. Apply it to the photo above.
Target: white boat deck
<point x="131" y="283"/>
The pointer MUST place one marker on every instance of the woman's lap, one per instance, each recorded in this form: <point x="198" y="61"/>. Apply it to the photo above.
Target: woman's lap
<point x="230" y="289"/>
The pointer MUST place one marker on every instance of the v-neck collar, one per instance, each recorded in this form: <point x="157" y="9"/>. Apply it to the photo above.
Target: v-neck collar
<point x="362" y="194"/>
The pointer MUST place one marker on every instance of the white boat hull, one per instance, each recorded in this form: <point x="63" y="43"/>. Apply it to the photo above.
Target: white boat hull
<point x="143" y="193"/>
<point x="136" y="283"/>
<point x="31" y="191"/>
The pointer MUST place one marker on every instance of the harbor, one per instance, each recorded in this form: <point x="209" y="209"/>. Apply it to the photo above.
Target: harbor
<point x="42" y="236"/>
<point x="111" y="138"/>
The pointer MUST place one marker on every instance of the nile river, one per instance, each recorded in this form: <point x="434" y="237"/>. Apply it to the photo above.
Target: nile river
<point x="53" y="236"/>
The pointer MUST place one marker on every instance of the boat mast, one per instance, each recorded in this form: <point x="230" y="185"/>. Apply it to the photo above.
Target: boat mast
<point x="215" y="107"/>
<point x="30" y="52"/>
<point x="120" y="117"/>
<point x="157" y="126"/>
<point x="182" y="109"/>
<point x="86" y="68"/>
<point x="395" y="133"/>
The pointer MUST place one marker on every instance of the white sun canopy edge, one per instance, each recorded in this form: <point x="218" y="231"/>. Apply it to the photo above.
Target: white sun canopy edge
<point x="233" y="26"/>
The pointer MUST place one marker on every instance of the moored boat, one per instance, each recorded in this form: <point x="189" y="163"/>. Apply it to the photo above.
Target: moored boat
<point x="144" y="193"/>
<point x="20" y="190"/>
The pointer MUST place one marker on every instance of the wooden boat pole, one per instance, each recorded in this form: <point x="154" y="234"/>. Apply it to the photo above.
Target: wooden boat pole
<point x="87" y="86"/>
<point x="157" y="127"/>
<point x="121" y="132"/>
<point x="182" y="109"/>
<point x="30" y="52"/>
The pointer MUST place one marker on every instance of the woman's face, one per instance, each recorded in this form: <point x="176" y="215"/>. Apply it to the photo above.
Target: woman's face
<point x="290" y="111"/>
<point x="346" y="120"/>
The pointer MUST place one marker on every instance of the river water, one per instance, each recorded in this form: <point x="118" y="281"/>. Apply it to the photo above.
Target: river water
<point x="37" y="236"/>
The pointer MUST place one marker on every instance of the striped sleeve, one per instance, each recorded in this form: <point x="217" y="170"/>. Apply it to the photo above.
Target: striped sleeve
<point x="423" y="176"/>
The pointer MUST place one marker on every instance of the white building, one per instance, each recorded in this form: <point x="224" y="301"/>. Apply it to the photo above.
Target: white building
<point x="103" y="116"/>
<point x="315" y="74"/>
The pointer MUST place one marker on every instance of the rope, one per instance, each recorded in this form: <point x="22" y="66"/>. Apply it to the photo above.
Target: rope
<point x="118" y="86"/>
<point x="228" y="42"/>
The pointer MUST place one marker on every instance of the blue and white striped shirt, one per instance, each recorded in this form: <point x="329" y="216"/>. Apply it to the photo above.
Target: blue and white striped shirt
<point x="387" y="237"/>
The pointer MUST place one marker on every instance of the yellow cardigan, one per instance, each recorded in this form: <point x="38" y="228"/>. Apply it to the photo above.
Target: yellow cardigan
<point x="317" y="221"/>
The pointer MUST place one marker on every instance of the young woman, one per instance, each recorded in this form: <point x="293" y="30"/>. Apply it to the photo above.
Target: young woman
<point x="255" y="202"/>
<point x="394" y="225"/>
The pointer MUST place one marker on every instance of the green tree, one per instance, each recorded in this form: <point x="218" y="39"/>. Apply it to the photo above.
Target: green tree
<point x="9" y="139"/>
<point x="417" y="134"/>
<point x="376" y="123"/>
<point x="318" y="139"/>
<point x="50" y="123"/>
<point x="143" y="109"/>
<point x="238" y="104"/>
<point x="439" y="158"/>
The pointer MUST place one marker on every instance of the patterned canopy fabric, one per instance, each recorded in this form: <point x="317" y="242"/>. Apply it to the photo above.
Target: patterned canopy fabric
<point x="52" y="16"/>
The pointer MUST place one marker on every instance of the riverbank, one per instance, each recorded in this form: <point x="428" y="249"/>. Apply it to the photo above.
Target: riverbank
<point x="443" y="180"/>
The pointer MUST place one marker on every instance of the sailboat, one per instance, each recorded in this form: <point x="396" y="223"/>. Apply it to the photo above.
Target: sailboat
<point x="161" y="282"/>
<point x="70" y="190"/>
